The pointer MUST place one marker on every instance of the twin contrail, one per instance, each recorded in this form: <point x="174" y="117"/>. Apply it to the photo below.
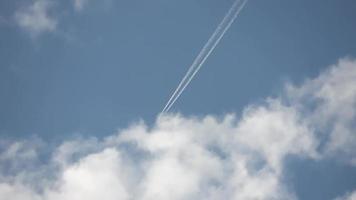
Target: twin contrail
<point x="205" y="52"/>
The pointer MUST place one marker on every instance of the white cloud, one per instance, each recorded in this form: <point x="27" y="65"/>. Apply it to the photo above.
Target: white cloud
<point x="271" y="130"/>
<point x="348" y="196"/>
<point x="182" y="158"/>
<point x="36" y="18"/>
<point x="96" y="176"/>
<point x="328" y="104"/>
<point x="17" y="192"/>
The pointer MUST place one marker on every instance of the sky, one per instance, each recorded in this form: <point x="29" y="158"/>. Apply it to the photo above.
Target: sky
<point x="271" y="114"/>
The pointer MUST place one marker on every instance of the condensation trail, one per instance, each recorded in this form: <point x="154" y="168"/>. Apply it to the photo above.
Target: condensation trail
<point x="208" y="48"/>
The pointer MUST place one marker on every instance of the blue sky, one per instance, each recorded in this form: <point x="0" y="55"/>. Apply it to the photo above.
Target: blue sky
<point x="85" y="68"/>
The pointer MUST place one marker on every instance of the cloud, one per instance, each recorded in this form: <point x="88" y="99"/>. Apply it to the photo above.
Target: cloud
<point x="348" y="196"/>
<point x="42" y="16"/>
<point x="179" y="158"/>
<point x="36" y="18"/>
<point x="79" y="4"/>
<point x="183" y="158"/>
<point x="328" y="104"/>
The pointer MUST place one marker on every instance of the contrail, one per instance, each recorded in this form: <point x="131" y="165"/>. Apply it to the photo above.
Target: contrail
<point x="208" y="48"/>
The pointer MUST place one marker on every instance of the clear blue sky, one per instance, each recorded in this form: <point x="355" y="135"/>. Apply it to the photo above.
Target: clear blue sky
<point x="111" y="63"/>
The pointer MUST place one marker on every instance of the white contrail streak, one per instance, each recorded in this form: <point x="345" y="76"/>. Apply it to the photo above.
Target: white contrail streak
<point x="208" y="48"/>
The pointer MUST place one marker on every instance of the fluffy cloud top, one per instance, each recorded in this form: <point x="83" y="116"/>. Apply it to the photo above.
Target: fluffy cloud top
<point x="328" y="104"/>
<point x="182" y="158"/>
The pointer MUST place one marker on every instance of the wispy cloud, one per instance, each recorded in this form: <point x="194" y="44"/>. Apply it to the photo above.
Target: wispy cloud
<point x="39" y="16"/>
<point x="197" y="158"/>
<point x="36" y="18"/>
<point x="79" y="4"/>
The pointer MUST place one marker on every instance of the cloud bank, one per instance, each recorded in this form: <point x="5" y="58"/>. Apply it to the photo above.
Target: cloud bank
<point x="183" y="158"/>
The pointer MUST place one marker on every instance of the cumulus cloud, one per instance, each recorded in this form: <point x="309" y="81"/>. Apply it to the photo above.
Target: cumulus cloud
<point x="183" y="158"/>
<point x="179" y="158"/>
<point x="328" y="104"/>
<point x="36" y="18"/>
